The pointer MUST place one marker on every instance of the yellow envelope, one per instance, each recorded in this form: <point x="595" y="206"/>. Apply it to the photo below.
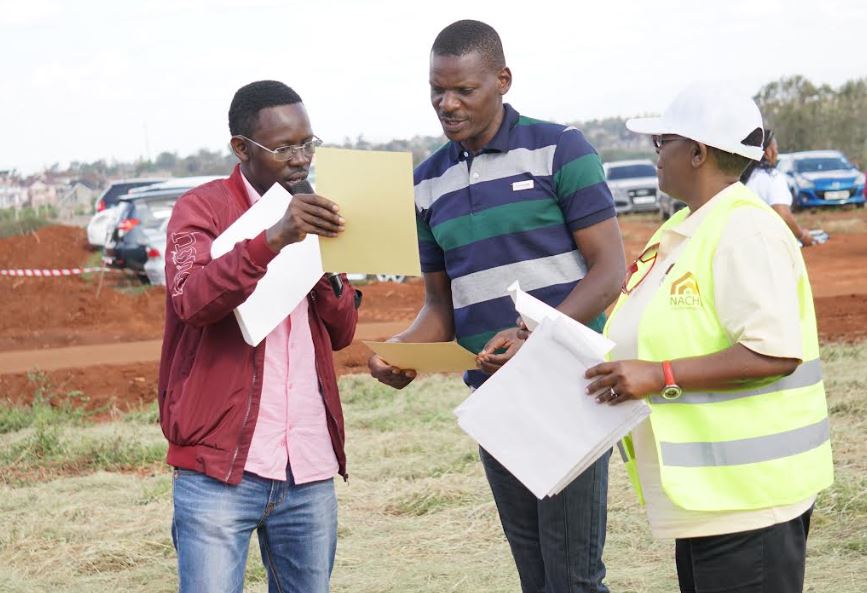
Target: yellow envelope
<point x="375" y="193"/>
<point x="430" y="357"/>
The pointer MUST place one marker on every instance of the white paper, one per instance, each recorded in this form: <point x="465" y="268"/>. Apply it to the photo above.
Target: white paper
<point x="535" y="417"/>
<point x="533" y="311"/>
<point x="290" y="276"/>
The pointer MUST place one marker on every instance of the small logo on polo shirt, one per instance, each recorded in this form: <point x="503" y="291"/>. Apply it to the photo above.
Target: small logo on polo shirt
<point x="521" y="185"/>
<point x="684" y="292"/>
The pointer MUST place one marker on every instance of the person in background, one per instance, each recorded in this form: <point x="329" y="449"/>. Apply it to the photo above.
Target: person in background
<point x="255" y="433"/>
<point x="770" y="185"/>
<point x="715" y="328"/>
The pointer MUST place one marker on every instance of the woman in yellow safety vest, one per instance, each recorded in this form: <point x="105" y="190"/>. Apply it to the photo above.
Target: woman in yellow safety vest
<point x="716" y="328"/>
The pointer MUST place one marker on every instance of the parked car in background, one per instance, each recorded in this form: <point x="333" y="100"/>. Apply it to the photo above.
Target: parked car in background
<point x="104" y="218"/>
<point x="155" y="266"/>
<point x="633" y="185"/>
<point x="141" y="214"/>
<point x="822" y="178"/>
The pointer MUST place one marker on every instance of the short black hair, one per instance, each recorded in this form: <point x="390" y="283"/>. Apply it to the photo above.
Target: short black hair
<point x="729" y="162"/>
<point x="735" y="164"/>
<point x="252" y="98"/>
<point x="467" y="36"/>
<point x="763" y="163"/>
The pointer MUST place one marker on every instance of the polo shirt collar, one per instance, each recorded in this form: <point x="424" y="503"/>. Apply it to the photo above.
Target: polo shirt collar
<point x="500" y="141"/>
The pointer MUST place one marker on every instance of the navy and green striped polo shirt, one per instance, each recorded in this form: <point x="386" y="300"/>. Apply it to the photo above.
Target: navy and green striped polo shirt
<point x="506" y="214"/>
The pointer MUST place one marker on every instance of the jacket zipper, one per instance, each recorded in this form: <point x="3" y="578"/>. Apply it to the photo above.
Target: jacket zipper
<point x="246" y="417"/>
<point x="328" y="412"/>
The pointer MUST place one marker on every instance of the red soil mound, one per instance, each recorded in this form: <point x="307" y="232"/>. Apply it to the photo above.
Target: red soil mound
<point x="55" y="312"/>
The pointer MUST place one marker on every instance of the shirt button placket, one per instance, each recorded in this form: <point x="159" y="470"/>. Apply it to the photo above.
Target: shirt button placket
<point x="472" y="175"/>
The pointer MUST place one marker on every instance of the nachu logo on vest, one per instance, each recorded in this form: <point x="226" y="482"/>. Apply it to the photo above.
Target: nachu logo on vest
<point x="684" y="292"/>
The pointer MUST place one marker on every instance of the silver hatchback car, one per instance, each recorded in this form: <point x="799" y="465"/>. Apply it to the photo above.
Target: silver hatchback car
<point x="634" y="185"/>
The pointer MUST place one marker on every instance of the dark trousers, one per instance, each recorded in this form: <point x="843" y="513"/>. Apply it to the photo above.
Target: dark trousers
<point x="556" y="542"/>
<point x="767" y="560"/>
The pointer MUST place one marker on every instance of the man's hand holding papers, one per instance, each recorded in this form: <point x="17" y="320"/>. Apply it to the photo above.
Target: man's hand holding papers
<point x="396" y="363"/>
<point x="387" y="374"/>
<point x="294" y="224"/>
<point x="306" y="214"/>
<point x="499" y="350"/>
<point x="533" y="416"/>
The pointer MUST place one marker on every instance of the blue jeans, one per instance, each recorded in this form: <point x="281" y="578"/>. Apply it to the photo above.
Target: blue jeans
<point x="556" y="542"/>
<point x="213" y="522"/>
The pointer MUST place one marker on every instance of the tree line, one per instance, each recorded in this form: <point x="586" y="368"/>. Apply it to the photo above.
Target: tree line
<point x="804" y="116"/>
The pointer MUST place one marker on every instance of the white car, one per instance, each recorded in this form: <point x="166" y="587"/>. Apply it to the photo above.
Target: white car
<point x="103" y="221"/>
<point x="100" y="226"/>
<point x="633" y="185"/>
<point x="155" y="266"/>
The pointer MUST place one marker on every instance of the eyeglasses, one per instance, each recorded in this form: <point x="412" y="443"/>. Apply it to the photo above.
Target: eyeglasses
<point x="640" y="268"/>
<point x="659" y="139"/>
<point x="287" y="153"/>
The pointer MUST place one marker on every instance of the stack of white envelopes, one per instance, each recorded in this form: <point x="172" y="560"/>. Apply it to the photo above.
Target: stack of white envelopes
<point x="534" y="415"/>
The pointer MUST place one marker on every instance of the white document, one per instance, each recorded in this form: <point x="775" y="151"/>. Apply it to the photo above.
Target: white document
<point x="534" y="415"/>
<point x="533" y="312"/>
<point x="290" y="276"/>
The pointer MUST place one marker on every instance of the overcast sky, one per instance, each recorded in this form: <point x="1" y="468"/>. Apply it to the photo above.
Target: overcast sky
<point x="125" y="79"/>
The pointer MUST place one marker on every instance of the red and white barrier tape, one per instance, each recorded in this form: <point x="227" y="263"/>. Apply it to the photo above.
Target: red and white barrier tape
<point x="51" y="273"/>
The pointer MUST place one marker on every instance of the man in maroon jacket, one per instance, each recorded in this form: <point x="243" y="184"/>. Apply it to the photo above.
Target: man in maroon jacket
<point x="255" y="433"/>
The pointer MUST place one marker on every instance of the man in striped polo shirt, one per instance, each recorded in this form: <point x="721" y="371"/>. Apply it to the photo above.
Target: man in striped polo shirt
<point x="513" y="198"/>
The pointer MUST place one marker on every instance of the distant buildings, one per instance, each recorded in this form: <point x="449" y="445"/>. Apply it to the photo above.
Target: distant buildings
<point x="12" y="193"/>
<point x="68" y="196"/>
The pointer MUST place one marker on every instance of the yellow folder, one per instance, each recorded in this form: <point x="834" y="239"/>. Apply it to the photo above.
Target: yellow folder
<point x="430" y="357"/>
<point x="375" y="192"/>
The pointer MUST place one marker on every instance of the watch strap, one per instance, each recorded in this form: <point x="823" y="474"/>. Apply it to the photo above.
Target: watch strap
<point x="671" y="390"/>
<point x="668" y="373"/>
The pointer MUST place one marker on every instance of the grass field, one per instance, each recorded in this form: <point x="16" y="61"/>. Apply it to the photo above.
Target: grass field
<point x="87" y="508"/>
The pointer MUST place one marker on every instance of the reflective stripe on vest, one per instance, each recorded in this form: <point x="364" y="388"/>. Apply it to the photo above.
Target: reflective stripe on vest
<point x="754" y="450"/>
<point x="808" y="373"/>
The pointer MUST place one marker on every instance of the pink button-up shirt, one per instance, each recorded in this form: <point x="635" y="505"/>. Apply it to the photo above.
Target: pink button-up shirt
<point x="291" y="428"/>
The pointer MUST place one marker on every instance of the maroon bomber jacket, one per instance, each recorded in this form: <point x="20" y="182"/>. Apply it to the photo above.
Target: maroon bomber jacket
<point x="210" y="379"/>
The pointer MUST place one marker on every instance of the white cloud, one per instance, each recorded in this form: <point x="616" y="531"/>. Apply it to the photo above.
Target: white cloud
<point x="16" y="13"/>
<point x="86" y="78"/>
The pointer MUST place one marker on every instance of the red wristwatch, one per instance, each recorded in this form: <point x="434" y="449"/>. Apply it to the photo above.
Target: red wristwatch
<point x="671" y="390"/>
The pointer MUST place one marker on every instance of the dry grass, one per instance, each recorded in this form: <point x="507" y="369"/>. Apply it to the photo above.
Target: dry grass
<point x="416" y="514"/>
<point x="835" y="221"/>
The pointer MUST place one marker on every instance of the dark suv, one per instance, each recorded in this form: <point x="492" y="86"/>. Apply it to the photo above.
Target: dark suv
<point x="140" y="214"/>
<point x="104" y="216"/>
<point x="113" y="192"/>
<point x="139" y="218"/>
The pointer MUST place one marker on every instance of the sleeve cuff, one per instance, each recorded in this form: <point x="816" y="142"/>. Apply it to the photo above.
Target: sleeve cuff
<point x="778" y="349"/>
<point x="259" y="251"/>
<point x="591" y="219"/>
<point x="430" y="268"/>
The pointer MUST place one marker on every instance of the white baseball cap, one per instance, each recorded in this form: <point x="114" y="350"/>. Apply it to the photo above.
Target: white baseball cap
<point x="709" y="113"/>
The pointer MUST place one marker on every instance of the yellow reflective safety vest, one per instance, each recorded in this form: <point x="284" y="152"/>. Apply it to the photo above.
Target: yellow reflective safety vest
<point x="764" y="444"/>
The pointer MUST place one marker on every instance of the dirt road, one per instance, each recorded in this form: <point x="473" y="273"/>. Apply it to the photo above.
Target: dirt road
<point x="52" y="359"/>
